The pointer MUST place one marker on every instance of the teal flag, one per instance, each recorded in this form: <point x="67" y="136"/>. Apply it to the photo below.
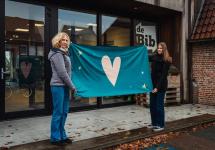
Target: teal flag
<point x="108" y="71"/>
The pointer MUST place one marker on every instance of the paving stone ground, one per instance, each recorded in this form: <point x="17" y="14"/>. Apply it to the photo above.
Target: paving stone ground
<point x="90" y="124"/>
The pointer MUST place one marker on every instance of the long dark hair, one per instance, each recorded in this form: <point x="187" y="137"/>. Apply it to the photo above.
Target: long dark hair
<point x="166" y="55"/>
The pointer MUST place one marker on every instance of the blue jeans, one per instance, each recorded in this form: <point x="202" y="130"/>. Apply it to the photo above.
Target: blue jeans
<point x="157" y="109"/>
<point x="60" y="100"/>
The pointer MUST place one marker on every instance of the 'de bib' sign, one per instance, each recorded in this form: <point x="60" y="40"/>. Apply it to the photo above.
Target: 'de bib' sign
<point x="146" y="34"/>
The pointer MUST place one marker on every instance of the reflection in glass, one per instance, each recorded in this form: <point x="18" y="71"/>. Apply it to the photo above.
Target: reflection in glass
<point x="81" y="27"/>
<point x="24" y="61"/>
<point x="115" y="31"/>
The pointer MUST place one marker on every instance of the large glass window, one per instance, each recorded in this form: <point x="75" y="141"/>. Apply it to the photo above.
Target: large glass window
<point x="81" y="27"/>
<point x="24" y="56"/>
<point x="116" y="32"/>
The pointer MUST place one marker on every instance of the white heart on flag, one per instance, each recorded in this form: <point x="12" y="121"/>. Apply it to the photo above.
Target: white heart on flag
<point x="111" y="71"/>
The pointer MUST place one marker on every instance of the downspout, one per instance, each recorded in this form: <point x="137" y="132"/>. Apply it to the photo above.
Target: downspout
<point x="190" y="49"/>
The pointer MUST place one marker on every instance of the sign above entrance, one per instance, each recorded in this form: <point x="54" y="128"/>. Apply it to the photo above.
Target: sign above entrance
<point x="146" y="34"/>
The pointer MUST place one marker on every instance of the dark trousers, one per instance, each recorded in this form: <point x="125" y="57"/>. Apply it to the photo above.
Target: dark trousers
<point x="157" y="108"/>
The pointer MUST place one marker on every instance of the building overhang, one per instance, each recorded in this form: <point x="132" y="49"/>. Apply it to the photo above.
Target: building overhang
<point x="130" y="8"/>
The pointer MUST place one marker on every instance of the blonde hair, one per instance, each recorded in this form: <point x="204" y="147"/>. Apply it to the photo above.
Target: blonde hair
<point x="165" y="52"/>
<point x="57" y="38"/>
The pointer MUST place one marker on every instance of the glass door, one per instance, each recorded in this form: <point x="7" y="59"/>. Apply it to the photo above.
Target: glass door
<point x="23" y="57"/>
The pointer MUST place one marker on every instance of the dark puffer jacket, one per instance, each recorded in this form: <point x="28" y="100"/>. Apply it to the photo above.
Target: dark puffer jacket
<point x="159" y="72"/>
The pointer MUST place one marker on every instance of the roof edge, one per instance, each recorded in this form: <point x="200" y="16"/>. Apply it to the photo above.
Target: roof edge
<point x="201" y="40"/>
<point x="197" y="19"/>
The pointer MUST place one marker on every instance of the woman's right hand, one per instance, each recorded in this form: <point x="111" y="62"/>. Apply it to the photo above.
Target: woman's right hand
<point x="155" y="90"/>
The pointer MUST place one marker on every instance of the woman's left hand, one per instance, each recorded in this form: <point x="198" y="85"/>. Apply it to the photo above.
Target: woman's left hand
<point x="155" y="90"/>
<point x="73" y="90"/>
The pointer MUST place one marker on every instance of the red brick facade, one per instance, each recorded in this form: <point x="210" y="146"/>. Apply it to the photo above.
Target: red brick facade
<point x="203" y="71"/>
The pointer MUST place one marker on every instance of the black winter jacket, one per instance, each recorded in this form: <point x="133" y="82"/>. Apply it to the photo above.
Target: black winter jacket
<point x="159" y="72"/>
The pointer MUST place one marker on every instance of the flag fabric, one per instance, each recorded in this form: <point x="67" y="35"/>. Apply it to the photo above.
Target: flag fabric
<point x="109" y="71"/>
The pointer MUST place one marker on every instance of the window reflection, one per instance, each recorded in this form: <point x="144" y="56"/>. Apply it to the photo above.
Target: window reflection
<point x="80" y="26"/>
<point x="115" y="31"/>
<point x="24" y="47"/>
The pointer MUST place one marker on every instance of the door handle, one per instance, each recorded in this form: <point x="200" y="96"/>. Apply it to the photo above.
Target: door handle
<point x="2" y="73"/>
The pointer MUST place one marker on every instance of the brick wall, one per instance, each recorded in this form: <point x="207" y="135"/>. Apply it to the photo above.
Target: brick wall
<point x="203" y="71"/>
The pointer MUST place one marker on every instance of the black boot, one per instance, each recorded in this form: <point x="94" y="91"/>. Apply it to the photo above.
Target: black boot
<point x="57" y="143"/>
<point x="67" y="141"/>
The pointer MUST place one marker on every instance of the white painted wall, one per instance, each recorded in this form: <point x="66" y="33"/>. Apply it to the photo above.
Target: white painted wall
<point x="177" y="5"/>
<point x="171" y="4"/>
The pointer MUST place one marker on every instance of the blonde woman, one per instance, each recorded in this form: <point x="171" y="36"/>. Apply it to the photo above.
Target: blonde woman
<point x="61" y="85"/>
<point x="160" y="63"/>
